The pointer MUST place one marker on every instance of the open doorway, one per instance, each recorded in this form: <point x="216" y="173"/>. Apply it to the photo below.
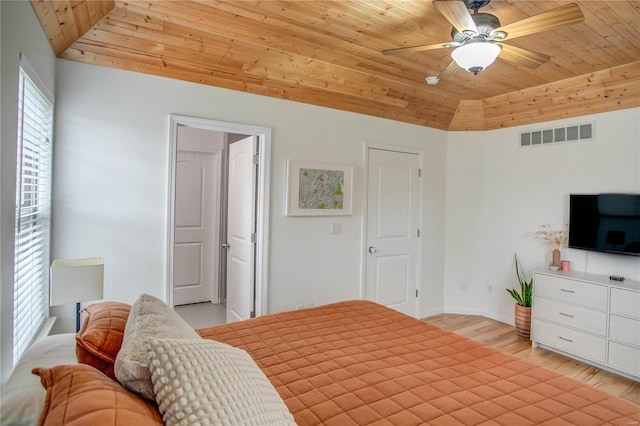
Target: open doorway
<point x="218" y="220"/>
<point x="197" y="216"/>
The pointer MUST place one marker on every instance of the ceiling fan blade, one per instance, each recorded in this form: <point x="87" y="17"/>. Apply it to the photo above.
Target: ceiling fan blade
<point x="450" y="70"/>
<point x="525" y="57"/>
<point x="456" y="12"/>
<point x="563" y="15"/>
<point x="419" y="48"/>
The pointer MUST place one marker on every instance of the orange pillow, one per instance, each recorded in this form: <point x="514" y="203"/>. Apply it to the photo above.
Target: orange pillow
<point x="100" y="338"/>
<point x="81" y="395"/>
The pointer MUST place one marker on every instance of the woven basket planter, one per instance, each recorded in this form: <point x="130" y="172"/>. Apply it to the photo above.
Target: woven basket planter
<point x="523" y="321"/>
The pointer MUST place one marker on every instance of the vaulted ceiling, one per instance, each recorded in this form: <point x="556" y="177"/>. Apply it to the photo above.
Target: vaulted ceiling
<point x="328" y="53"/>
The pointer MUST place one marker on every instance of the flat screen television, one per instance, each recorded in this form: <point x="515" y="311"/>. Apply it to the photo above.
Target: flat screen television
<point x="605" y="222"/>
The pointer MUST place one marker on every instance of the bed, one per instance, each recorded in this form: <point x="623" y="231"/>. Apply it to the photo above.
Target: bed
<point x="359" y="363"/>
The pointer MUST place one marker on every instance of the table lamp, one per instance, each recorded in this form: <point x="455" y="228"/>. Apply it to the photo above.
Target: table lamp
<point x="75" y="281"/>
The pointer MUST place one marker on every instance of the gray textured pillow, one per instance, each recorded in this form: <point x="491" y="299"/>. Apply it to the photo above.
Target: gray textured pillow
<point x="204" y="382"/>
<point x="149" y="318"/>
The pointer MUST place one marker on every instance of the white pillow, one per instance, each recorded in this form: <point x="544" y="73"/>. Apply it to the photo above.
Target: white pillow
<point x="205" y="382"/>
<point x="22" y="396"/>
<point x="149" y="317"/>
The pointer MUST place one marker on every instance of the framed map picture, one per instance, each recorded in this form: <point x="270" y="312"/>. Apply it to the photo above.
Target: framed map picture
<point x="318" y="189"/>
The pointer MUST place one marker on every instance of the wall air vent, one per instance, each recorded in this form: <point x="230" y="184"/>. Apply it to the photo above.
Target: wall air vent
<point x="579" y="132"/>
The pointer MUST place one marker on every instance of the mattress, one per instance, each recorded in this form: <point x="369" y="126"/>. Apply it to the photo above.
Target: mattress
<point x="359" y="363"/>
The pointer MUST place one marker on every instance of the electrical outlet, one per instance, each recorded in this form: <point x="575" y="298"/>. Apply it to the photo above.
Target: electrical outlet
<point x="308" y="305"/>
<point x="299" y="306"/>
<point x="489" y="288"/>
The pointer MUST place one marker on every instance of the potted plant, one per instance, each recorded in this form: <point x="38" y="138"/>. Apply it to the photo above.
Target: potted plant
<point x="523" y="303"/>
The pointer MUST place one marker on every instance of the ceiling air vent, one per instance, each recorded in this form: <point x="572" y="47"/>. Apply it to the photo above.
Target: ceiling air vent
<point x="579" y="132"/>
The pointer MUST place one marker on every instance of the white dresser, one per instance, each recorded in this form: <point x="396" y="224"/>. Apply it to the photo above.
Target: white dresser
<point x="588" y="317"/>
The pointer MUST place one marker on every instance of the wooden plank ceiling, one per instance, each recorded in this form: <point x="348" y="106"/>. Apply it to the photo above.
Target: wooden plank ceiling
<point x="328" y="53"/>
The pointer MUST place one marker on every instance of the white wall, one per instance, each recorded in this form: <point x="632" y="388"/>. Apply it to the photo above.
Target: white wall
<point x="20" y="32"/>
<point x="498" y="194"/>
<point x="110" y="190"/>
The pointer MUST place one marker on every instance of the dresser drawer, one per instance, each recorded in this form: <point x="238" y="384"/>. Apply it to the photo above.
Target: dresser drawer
<point x="625" y="302"/>
<point x="572" y="291"/>
<point x="571" y="315"/>
<point x="569" y="340"/>
<point x="624" y="358"/>
<point x="626" y="330"/>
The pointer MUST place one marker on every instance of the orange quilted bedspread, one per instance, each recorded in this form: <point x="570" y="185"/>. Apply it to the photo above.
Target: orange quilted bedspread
<point x="359" y="363"/>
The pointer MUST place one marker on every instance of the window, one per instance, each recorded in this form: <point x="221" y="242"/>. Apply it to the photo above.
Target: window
<point x="33" y="186"/>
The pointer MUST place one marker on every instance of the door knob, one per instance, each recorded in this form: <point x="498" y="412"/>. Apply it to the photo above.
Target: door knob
<point x="373" y="250"/>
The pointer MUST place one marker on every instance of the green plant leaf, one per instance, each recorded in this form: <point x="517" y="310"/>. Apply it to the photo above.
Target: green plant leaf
<point x="526" y="287"/>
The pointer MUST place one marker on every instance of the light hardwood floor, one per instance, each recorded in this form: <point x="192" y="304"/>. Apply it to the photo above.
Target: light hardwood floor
<point x="503" y="337"/>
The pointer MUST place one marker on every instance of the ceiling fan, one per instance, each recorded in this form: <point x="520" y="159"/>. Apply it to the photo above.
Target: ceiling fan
<point x="477" y="37"/>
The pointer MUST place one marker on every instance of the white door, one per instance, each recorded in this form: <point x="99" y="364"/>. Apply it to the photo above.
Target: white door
<point x="196" y="220"/>
<point x="392" y="230"/>
<point x="241" y="224"/>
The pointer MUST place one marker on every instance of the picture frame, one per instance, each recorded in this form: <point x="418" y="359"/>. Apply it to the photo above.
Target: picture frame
<point x="318" y="189"/>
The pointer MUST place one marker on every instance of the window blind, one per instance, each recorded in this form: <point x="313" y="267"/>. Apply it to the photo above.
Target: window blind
<point x="33" y="187"/>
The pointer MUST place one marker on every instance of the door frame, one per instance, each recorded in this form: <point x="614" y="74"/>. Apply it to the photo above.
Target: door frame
<point x="365" y="208"/>
<point x="262" y="214"/>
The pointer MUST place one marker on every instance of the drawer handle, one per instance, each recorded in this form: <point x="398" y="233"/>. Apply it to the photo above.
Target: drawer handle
<point x="565" y="339"/>
<point x="566" y="315"/>
<point x="567" y="291"/>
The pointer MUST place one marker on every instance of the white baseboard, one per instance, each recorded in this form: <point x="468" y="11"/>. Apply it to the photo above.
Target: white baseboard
<point x="488" y="314"/>
<point x="463" y="311"/>
<point x="430" y="312"/>
<point x="502" y="318"/>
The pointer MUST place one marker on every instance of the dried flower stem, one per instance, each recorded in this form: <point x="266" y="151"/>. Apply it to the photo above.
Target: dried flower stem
<point x="555" y="238"/>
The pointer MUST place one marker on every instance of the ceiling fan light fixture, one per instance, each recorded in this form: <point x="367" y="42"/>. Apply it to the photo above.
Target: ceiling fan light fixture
<point x="432" y="80"/>
<point x="476" y="56"/>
